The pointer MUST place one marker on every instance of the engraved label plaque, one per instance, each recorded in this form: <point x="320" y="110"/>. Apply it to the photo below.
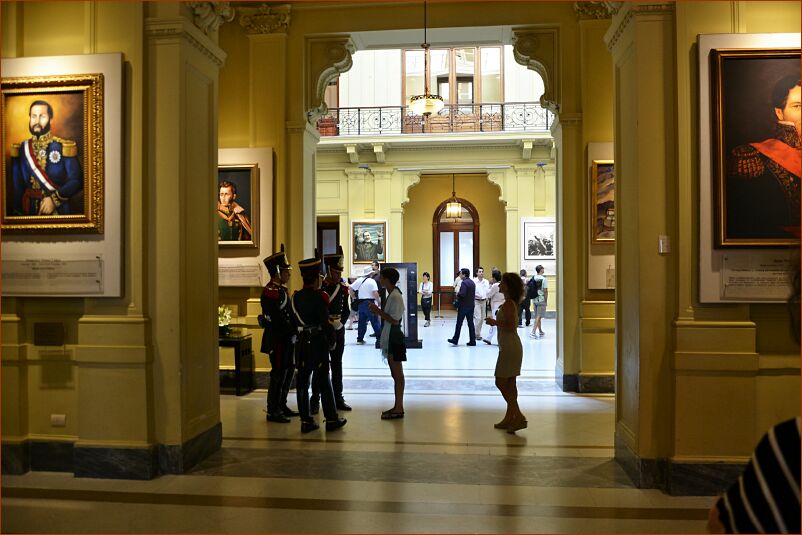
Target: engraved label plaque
<point x="756" y="277"/>
<point x="52" y="277"/>
<point x="238" y="275"/>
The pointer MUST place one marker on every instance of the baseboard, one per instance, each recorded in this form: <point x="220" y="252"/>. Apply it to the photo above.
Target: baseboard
<point x="677" y="478"/>
<point x="144" y="462"/>
<point x="567" y="382"/>
<point x="596" y="383"/>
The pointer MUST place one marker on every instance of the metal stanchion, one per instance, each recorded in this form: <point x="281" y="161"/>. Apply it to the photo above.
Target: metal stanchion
<point x="438" y="315"/>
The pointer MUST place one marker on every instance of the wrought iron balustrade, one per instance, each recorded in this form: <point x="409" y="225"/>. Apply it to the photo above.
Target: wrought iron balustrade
<point x="388" y="120"/>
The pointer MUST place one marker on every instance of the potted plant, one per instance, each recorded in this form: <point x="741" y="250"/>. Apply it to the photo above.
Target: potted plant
<point x="224" y="320"/>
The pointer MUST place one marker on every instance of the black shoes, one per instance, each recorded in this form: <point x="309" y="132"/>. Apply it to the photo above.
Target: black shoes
<point x="343" y="406"/>
<point x="307" y="426"/>
<point x="471" y="343"/>
<point x="278" y="418"/>
<point x="373" y="335"/>
<point x="333" y="425"/>
<point x="358" y="341"/>
<point x="452" y="342"/>
<point x="288" y="412"/>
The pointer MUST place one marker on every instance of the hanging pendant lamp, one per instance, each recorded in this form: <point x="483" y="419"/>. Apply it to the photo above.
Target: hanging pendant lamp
<point x="453" y="207"/>
<point x="427" y="103"/>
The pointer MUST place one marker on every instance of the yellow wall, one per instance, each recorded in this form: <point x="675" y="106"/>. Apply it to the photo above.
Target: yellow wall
<point x="434" y="189"/>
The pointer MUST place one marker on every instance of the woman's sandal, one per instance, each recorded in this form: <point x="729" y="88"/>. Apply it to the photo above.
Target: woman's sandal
<point x="502" y="424"/>
<point x="516" y="425"/>
<point x="392" y="415"/>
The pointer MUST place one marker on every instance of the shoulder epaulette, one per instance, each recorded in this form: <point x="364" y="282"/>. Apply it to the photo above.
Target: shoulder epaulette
<point x="324" y="295"/>
<point x="271" y="291"/>
<point x="68" y="147"/>
<point x="15" y="150"/>
<point x="745" y="161"/>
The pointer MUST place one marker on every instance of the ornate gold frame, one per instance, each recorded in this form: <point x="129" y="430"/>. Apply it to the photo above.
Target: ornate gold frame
<point x="717" y="57"/>
<point x="254" y="208"/>
<point x="594" y="172"/>
<point x="91" y="221"/>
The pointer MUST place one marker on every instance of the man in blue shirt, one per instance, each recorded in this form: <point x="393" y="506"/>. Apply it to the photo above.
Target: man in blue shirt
<point x="465" y="304"/>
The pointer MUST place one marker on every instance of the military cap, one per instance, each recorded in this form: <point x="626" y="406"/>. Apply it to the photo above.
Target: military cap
<point x="310" y="267"/>
<point x="335" y="261"/>
<point x="276" y="262"/>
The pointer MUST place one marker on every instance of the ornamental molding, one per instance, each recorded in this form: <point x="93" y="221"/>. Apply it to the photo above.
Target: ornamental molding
<point x="327" y="57"/>
<point x="265" y="19"/>
<point x="209" y="16"/>
<point x="630" y="11"/>
<point x="174" y="30"/>
<point x="593" y="10"/>
<point x="538" y="49"/>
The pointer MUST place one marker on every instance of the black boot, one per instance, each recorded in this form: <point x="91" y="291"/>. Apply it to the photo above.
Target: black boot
<point x="307" y="426"/>
<point x="278" y="418"/>
<point x="288" y="412"/>
<point x="333" y="425"/>
<point x="342" y="405"/>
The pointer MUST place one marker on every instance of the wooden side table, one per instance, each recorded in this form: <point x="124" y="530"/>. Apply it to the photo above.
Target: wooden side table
<point x="244" y="368"/>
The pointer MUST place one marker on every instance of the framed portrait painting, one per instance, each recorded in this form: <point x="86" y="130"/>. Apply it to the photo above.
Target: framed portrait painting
<point x="369" y="241"/>
<point x="602" y="199"/>
<point x="539" y="240"/>
<point x="755" y="108"/>
<point x="237" y="215"/>
<point x="53" y="154"/>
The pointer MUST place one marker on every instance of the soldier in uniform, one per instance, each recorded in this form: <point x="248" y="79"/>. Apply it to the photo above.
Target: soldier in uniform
<point x="339" y="311"/>
<point x="277" y="340"/>
<point x="310" y="307"/>
<point x="45" y="169"/>
<point x="764" y="178"/>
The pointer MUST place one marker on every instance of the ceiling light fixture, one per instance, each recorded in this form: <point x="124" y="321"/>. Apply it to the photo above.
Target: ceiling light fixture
<point x="453" y="207"/>
<point x="425" y="104"/>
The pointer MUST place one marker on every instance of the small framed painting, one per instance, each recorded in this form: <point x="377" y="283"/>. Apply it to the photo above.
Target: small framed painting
<point x="238" y="205"/>
<point x="602" y="201"/>
<point x="369" y="241"/>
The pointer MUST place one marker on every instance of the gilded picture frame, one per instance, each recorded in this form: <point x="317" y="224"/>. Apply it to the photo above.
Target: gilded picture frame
<point x="602" y="202"/>
<point x="755" y="182"/>
<point x="237" y="213"/>
<point x="364" y="250"/>
<point x="52" y="137"/>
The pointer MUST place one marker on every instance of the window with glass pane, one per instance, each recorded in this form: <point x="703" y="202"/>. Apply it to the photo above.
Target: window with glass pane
<point x="465" y="67"/>
<point x="446" y="258"/>
<point x="491" y="74"/>
<point x="439" y="71"/>
<point x="466" y="250"/>
<point x="413" y="77"/>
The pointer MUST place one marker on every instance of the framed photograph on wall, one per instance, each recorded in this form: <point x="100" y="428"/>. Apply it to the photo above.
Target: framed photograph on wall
<point x="238" y="205"/>
<point x="602" y="200"/>
<point x="53" y="154"/>
<point x="539" y="240"/>
<point x="369" y="241"/>
<point x="755" y="109"/>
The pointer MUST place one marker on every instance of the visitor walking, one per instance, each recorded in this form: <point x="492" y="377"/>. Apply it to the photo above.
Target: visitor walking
<point x="425" y="290"/>
<point x="480" y="301"/>
<point x="525" y="303"/>
<point x="496" y="299"/>
<point x="464" y="303"/>
<point x="540" y="291"/>
<point x="392" y="338"/>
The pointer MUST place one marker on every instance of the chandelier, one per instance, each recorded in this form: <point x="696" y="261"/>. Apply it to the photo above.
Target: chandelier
<point x="425" y="104"/>
<point x="453" y="206"/>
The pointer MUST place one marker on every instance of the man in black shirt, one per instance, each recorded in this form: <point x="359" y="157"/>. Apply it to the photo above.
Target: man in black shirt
<point x="465" y="298"/>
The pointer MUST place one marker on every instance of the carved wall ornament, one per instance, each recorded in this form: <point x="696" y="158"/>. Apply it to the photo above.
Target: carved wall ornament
<point x="265" y="18"/>
<point x="209" y="16"/>
<point x="327" y="57"/>
<point x="538" y="49"/>
<point x="593" y="10"/>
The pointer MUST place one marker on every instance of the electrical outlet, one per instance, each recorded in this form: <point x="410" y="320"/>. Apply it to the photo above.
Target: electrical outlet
<point x="58" y="420"/>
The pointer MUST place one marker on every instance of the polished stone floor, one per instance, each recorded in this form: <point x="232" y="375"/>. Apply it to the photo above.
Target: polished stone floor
<point x="443" y="468"/>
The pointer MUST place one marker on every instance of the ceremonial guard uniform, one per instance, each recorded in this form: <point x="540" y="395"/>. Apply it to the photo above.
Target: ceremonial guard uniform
<point x="277" y="340"/>
<point x="338" y="315"/>
<point x="310" y="307"/>
<point x="45" y="166"/>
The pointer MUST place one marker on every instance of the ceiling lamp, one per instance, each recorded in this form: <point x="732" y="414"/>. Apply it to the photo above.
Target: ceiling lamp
<point x="453" y="206"/>
<point x="425" y="104"/>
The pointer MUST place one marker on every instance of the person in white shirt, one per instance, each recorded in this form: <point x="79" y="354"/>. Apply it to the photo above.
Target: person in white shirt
<point x="480" y="300"/>
<point x="496" y="299"/>
<point x="367" y="292"/>
<point x="425" y="290"/>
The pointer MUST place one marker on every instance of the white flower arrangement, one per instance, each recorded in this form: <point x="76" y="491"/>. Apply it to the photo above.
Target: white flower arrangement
<point x="223" y="316"/>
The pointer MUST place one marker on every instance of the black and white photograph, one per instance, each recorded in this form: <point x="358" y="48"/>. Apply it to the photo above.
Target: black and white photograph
<point x="539" y="242"/>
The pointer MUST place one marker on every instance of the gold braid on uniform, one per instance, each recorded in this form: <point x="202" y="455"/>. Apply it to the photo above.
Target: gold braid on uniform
<point x="790" y="188"/>
<point x="745" y="161"/>
<point x="787" y="134"/>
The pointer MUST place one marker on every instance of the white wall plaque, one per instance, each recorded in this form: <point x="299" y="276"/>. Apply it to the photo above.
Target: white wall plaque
<point x="52" y="277"/>
<point x="238" y="275"/>
<point x="756" y="278"/>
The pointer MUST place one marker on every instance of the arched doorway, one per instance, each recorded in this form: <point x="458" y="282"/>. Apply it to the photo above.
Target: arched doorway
<point x="456" y="246"/>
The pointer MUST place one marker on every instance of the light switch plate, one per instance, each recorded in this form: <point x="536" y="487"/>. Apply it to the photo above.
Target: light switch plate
<point x="663" y="244"/>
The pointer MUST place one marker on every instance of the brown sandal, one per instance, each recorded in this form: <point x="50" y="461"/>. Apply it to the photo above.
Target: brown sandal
<point x="392" y="415"/>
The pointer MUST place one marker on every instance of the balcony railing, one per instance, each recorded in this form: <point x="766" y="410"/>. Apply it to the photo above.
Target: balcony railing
<point x="389" y="120"/>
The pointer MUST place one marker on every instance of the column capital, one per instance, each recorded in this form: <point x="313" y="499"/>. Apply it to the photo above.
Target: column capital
<point x="209" y="16"/>
<point x="265" y="19"/>
<point x="160" y="30"/>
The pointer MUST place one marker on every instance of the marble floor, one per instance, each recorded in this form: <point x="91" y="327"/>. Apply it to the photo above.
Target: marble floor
<point x="441" y="469"/>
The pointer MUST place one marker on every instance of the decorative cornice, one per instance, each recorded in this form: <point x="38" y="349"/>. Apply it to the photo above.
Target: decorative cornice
<point x="157" y="29"/>
<point x="537" y="49"/>
<point x="265" y="19"/>
<point x="630" y="10"/>
<point x="592" y="10"/>
<point x="327" y="57"/>
<point x="209" y="16"/>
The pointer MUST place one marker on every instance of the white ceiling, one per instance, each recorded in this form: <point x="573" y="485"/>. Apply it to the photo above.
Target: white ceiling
<point x="477" y="35"/>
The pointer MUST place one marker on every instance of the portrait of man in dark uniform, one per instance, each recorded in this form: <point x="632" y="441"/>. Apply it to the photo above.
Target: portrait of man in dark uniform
<point x="45" y="171"/>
